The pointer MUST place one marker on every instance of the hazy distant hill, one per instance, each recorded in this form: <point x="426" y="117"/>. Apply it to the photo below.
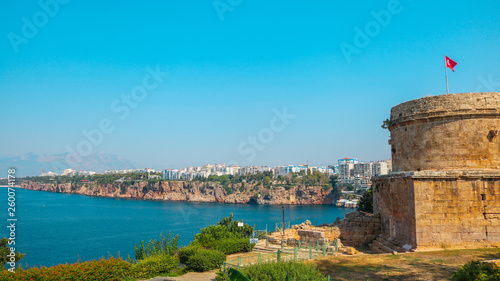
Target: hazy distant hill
<point x="31" y="164"/>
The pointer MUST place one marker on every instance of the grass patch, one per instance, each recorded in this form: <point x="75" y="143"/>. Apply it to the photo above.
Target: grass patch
<point x="434" y="265"/>
<point x="393" y="257"/>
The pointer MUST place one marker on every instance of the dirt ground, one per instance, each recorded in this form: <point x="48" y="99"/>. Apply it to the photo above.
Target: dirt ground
<point x="436" y="265"/>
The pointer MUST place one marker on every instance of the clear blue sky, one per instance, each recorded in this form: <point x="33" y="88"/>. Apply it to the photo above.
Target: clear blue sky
<point x="228" y="72"/>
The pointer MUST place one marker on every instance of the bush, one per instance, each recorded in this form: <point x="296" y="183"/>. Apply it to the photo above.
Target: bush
<point x="186" y="252"/>
<point x="110" y="269"/>
<point x="278" y="271"/>
<point x="233" y="245"/>
<point x="476" y="270"/>
<point x="5" y="250"/>
<point x="164" y="246"/>
<point x="204" y="260"/>
<point x="365" y="204"/>
<point x="153" y="266"/>
<point x="227" y="228"/>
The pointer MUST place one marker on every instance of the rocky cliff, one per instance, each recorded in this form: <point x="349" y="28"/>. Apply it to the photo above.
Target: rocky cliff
<point x="193" y="191"/>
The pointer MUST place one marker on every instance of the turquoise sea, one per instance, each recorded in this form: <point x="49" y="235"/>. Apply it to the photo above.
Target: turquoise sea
<point x="55" y="228"/>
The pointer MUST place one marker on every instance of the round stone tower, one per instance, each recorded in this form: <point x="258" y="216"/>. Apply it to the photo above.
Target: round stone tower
<point x="444" y="190"/>
<point x="447" y="132"/>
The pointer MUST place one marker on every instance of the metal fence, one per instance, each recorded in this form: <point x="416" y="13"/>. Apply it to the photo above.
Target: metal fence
<point x="283" y="254"/>
<point x="279" y="226"/>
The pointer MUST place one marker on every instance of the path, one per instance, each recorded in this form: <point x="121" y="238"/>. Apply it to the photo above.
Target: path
<point x="191" y="276"/>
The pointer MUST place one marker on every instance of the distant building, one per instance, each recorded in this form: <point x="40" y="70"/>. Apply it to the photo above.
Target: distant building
<point x="362" y="170"/>
<point x="172" y="174"/>
<point x="382" y="168"/>
<point x="68" y="172"/>
<point x="285" y="170"/>
<point x="49" y="174"/>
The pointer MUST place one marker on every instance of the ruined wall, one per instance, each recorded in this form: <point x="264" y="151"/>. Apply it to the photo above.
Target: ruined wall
<point x="359" y="229"/>
<point x="394" y="202"/>
<point x="446" y="132"/>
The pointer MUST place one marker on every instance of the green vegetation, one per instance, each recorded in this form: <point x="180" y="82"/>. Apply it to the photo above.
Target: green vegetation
<point x="154" y="265"/>
<point x="98" y="178"/>
<point x="226" y="228"/>
<point x="186" y="252"/>
<point x="365" y="204"/>
<point x="5" y="251"/>
<point x="211" y="245"/>
<point x="166" y="246"/>
<point x="158" y="257"/>
<point x="232" y="245"/>
<point x="206" y="259"/>
<point x="479" y="271"/>
<point x="277" y="271"/>
<point x="236" y="275"/>
<point x="386" y="123"/>
<point x="104" y="269"/>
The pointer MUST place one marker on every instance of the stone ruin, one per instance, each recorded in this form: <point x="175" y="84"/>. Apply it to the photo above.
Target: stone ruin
<point x="444" y="190"/>
<point x="310" y="235"/>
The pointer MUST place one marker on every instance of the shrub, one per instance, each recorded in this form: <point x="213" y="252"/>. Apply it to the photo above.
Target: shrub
<point x="233" y="245"/>
<point x="366" y="202"/>
<point x="205" y="259"/>
<point x="110" y="269"/>
<point x="476" y="270"/>
<point x="153" y="266"/>
<point x="164" y="246"/>
<point x="278" y="271"/>
<point x="186" y="252"/>
<point x="5" y="250"/>
<point x="225" y="229"/>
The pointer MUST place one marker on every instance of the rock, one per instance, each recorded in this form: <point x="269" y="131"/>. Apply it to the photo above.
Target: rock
<point x="193" y="191"/>
<point x="406" y="247"/>
<point x="351" y="251"/>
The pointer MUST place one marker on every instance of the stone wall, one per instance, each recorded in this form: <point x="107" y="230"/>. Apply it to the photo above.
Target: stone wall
<point x="446" y="132"/>
<point x="359" y="229"/>
<point x="448" y="209"/>
<point x="445" y="187"/>
<point x="393" y="201"/>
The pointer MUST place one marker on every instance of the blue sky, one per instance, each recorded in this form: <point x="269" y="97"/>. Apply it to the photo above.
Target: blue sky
<point x="229" y="73"/>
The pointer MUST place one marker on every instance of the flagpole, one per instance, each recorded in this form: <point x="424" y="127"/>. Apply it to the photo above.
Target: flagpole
<point x="446" y="74"/>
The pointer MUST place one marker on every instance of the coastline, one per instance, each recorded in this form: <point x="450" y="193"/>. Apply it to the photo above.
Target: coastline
<point x="182" y="191"/>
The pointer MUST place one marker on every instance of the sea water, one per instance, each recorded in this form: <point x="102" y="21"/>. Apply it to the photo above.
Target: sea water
<point x="54" y="228"/>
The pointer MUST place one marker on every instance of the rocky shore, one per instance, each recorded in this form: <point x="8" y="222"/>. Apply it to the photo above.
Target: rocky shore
<point x="194" y="191"/>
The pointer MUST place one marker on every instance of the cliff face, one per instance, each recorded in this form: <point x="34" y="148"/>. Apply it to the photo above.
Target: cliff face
<point x="193" y="191"/>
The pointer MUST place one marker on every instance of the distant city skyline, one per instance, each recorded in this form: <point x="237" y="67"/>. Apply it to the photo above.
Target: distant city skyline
<point x="170" y="84"/>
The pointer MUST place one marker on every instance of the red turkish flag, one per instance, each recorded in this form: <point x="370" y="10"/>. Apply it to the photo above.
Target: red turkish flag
<point x="450" y="63"/>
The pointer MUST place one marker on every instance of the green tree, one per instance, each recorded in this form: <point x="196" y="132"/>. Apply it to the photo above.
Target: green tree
<point x="5" y="252"/>
<point x="365" y="204"/>
<point x="386" y="123"/>
<point x="267" y="180"/>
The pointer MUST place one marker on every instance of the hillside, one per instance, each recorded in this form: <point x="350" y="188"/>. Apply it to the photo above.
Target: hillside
<point x="193" y="191"/>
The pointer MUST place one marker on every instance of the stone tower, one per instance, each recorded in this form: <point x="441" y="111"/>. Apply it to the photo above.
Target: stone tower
<point x="444" y="190"/>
